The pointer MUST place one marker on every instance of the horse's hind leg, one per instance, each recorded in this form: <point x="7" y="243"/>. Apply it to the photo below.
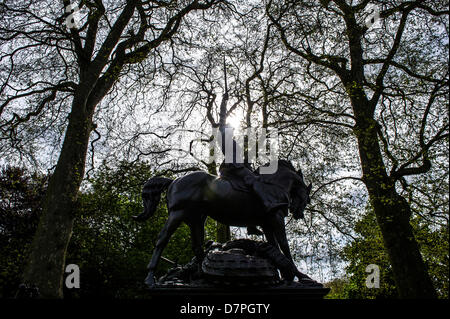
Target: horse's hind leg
<point x="172" y="223"/>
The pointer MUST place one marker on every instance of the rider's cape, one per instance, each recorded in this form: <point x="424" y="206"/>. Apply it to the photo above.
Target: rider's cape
<point x="235" y="174"/>
<point x="243" y="179"/>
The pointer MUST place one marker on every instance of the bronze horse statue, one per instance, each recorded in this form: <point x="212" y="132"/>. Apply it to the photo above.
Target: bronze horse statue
<point x="191" y="198"/>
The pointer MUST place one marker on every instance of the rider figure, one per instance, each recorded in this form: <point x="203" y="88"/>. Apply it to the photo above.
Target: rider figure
<point x="270" y="195"/>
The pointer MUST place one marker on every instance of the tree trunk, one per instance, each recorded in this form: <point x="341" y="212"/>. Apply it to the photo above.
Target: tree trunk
<point x="393" y="214"/>
<point x="46" y="263"/>
<point x="410" y="273"/>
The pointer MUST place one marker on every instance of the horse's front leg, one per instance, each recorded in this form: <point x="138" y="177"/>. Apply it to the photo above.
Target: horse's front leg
<point x="280" y="235"/>
<point x="169" y="228"/>
<point x="270" y="237"/>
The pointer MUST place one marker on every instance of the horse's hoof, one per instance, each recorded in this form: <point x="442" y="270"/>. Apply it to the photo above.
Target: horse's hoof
<point x="150" y="281"/>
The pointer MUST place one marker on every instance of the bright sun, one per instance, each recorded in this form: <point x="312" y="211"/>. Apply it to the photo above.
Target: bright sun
<point x="234" y="120"/>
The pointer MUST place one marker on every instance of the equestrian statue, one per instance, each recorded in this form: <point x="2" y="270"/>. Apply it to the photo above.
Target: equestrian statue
<point x="239" y="197"/>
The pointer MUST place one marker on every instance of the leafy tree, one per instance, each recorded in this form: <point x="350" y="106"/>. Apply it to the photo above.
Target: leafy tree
<point x="368" y="249"/>
<point x="434" y="246"/>
<point x="20" y="196"/>
<point x="355" y="105"/>
<point x="55" y="73"/>
<point x="111" y="249"/>
<point x="383" y="88"/>
<point x="337" y="286"/>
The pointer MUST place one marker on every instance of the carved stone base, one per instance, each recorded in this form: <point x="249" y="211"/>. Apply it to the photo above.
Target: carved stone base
<point x="238" y="268"/>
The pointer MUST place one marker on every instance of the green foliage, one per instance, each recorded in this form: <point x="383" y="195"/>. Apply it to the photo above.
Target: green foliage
<point x="337" y="287"/>
<point x="368" y="249"/>
<point x="434" y="246"/>
<point x="20" y="196"/>
<point x="111" y="249"/>
<point x="365" y="250"/>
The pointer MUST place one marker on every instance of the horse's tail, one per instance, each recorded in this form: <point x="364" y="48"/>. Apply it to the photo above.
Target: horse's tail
<point x="151" y="195"/>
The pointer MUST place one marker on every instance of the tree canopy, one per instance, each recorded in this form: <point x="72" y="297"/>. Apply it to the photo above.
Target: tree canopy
<point x="357" y="91"/>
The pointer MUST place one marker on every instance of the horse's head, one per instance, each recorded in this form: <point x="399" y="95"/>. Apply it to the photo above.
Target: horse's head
<point x="292" y="181"/>
<point x="299" y="196"/>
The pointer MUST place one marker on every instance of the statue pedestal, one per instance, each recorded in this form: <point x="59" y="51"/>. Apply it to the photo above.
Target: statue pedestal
<point x="240" y="270"/>
<point x="216" y="294"/>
